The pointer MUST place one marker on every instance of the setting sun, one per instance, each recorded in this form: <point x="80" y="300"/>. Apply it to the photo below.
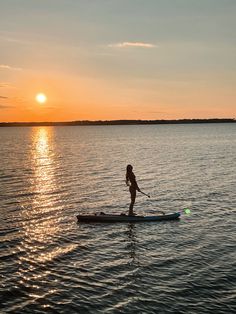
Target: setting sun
<point x="41" y="98"/>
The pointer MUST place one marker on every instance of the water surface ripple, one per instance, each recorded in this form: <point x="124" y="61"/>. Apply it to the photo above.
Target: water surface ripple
<point x="51" y="264"/>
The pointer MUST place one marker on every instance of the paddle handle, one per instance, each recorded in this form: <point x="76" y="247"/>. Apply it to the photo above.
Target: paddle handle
<point x="144" y="193"/>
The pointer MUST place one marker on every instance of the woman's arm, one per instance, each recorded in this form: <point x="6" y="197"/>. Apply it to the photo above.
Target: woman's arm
<point x="137" y="187"/>
<point x="136" y="184"/>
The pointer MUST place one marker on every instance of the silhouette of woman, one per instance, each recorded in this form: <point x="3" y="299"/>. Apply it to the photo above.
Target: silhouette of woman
<point x="133" y="187"/>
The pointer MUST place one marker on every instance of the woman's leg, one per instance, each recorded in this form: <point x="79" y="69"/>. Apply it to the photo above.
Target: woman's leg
<point x="133" y="196"/>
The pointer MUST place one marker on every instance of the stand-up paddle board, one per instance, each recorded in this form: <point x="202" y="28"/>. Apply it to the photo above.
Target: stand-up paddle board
<point x="125" y="218"/>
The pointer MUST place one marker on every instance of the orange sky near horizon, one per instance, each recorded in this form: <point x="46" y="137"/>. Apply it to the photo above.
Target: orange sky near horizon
<point x="71" y="98"/>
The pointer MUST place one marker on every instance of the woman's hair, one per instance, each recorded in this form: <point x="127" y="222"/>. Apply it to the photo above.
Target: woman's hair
<point x="129" y="169"/>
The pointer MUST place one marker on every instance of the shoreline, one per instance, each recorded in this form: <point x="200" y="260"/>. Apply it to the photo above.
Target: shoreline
<point x="117" y="122"/>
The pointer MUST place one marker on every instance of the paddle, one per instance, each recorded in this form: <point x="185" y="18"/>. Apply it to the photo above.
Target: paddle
<point x="144" y="193"/>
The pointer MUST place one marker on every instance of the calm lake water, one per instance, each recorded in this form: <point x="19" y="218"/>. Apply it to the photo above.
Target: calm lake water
<point x="51" y="264"/>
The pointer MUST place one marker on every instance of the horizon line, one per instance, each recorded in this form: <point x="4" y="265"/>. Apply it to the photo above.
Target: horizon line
<point x="119" y="122"/>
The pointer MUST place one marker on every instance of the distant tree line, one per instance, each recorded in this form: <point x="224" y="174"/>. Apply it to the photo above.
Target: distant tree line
<point x="117" y="122"/>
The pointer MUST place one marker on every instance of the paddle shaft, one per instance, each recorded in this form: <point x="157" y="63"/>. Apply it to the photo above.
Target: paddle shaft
<point x="144" y="193"/>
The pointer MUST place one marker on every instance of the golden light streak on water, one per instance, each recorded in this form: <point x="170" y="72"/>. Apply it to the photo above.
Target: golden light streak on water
<point x="40" y="223"/>
<point x="42" y="158"/>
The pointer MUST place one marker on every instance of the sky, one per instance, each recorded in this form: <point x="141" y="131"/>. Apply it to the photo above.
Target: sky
<point x="117" y="59"/>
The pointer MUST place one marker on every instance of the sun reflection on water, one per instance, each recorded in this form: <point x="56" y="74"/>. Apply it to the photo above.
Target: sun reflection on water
<point x="42" y="219"/>
<point x="43" y="159"/>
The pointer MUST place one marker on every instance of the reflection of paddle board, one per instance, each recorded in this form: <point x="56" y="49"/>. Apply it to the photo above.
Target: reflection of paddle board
<point x="125" y="218"/>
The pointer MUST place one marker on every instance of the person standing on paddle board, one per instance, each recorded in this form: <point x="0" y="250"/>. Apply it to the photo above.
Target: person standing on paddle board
<point x="133" y="187"/>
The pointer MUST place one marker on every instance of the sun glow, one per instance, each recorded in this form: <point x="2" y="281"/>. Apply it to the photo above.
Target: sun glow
<point x="41" y="98"/>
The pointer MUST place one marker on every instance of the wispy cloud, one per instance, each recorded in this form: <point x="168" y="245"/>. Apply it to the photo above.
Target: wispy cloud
<point x="8" y="67"/>
<point x="5" y="107"/>
<point x="13" y="40"/>
<point x="136" y="44"/>
<point x="6" y="85"/>
<point x="3" y="97"/>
